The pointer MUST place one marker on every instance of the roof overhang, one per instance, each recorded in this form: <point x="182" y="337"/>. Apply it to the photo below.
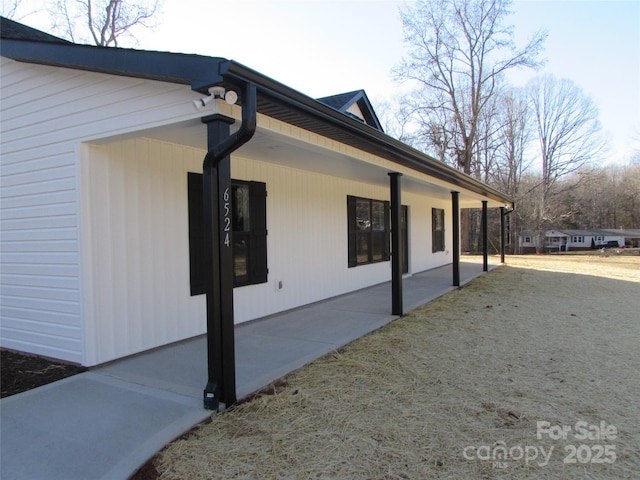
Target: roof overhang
<point x="275" y="100"/>
<point x="283" y="103"/>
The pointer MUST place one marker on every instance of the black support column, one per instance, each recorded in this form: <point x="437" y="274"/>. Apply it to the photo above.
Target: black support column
<point x="502" y="234"/>
<point x="220" y="390"/>
<point x="485" y="238"/>
<point x="455" y="220"/>
<point x="396" y="244"/>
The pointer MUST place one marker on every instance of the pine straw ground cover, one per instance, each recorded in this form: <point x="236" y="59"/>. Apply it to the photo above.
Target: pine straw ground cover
<point x="545" y="339"/>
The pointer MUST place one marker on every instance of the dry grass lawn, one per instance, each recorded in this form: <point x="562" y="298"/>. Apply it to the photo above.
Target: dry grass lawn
<point x="450" y="388"/>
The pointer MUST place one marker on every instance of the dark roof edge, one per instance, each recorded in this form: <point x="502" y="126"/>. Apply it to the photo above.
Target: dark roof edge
<point x="201" y="72"/>
<point x="379" y="141"/>
<point x="18" y="31"/>
<point x="162" y="66"/>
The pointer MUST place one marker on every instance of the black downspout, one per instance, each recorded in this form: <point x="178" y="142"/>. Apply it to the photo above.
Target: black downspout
<point x="455" y="220"/>
<point x="485" y="237"/>
<point x="396" y="244"/>
<point x="502" y="232"/>
<point x="220" y="391"/>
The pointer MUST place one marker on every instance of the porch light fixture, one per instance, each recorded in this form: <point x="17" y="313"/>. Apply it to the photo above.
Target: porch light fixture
<point x="230" y="97"/>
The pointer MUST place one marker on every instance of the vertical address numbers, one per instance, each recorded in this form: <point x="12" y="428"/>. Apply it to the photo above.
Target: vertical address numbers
<point x="227" y="217"/>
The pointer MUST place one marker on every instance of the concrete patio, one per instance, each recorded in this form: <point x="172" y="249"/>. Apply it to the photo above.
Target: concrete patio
<point x="106" y="423"/>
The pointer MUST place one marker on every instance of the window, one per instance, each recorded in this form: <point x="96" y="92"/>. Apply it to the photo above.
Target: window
<point x="368" y="227"/>
<point x="527" y="240"/>
<point x="437" y="230"/>
<point x="241" y="231"/>
<point x="577" y="239"/>
<point x="248" y="233"/>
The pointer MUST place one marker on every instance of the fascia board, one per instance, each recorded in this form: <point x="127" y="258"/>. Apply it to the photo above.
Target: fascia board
<point x="378" y="142"/>
<point x="195" y="70"/>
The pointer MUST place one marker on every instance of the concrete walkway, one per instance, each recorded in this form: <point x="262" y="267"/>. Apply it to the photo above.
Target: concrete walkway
<point x="106" y="423"/>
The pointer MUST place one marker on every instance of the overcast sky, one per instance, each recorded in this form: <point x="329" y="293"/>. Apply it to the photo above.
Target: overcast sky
<point x="324" y="47"/>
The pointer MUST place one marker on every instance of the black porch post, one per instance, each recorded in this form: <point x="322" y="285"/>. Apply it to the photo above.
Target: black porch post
<point x="485" y="238"/>
<point x="220" y="390"/>
<point x="396" y="244"/>
<point x="455" y="219"/>
<point x="502" y="232"/>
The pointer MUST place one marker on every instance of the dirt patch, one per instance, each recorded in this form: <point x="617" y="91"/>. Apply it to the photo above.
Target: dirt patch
<point x="472" y="385"/>
<point x="21" y="372"/>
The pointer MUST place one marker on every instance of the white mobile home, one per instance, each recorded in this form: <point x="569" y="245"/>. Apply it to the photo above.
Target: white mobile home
<point x="100" y="227"/>
<point x="574" y="240"/>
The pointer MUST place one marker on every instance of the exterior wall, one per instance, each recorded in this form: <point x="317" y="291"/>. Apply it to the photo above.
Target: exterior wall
<point x="307" y="241"/>
<point x="46" y="113"/>
<point x="137" y="254"/>
<point x="136" y="247"/>
<point x="94" y="233"/>
<point x="421" y="257"/>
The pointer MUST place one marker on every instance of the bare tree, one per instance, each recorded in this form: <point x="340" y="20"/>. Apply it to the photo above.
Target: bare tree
<point x="458" y="51"/>
<point x="635" y="146"/>
<point x="9" y="8"/>
<point x="568" y="133"/>
<point x="16" y="9"/>
<point x="629" y="195"/>
<point x="488" y="141"/>
<point x="514" y="137"/>
<point x="102" y="22"/>
<point x="395" y="120"/>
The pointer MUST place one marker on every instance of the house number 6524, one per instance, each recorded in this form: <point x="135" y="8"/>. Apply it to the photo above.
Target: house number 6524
<point x="227" y="217"/>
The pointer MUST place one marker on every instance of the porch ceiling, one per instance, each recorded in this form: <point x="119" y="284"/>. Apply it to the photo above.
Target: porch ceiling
<point x="273" y="147"/>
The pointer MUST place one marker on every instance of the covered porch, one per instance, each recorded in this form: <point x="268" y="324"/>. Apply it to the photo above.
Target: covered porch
<point x="132" y="407"/>
<point x="269" y="348"/>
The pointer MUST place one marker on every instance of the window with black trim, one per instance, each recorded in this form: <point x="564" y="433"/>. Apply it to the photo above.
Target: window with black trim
<point x="437" y="230"/>
<point x="248" y="236"/>
<point x="368" y="227"/>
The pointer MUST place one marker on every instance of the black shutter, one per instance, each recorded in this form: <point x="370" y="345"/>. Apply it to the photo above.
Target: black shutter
<point x="435" y="238"/>
<point x="258" y="224"/>
<point x="442" y="231"/>
<point x="351" y="229"/>
<point x="437" y="230"/>
<point x="386" y="255"/>
<point x="197" y="245"/>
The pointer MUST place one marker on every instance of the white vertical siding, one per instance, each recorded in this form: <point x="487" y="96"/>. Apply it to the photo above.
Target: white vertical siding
<point x="135" y="197"/>
<point x="307" y="241"/>
<point x="420" y="234"/>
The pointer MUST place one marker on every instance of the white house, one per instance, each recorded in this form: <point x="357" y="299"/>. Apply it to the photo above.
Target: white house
<point x="567" y="240"/>
<point x="102" y="151"/>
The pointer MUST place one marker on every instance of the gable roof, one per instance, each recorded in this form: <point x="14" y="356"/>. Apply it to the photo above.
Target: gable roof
<point x="343" y="102"/>
<point x="17" y="31"/>
<point x="274" y="100"/>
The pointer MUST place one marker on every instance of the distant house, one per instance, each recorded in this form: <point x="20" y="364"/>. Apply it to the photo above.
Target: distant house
<point x="103" y="152"/>
<point x="567" y="240"/>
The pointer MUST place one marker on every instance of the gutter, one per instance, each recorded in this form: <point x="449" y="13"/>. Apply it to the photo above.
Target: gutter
<point x="377" y="143"/>
<point x="244" y="133"/>
<point x="220" y="390"/>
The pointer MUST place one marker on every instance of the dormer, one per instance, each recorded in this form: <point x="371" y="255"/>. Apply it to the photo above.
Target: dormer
<point x="355" y="105"/>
